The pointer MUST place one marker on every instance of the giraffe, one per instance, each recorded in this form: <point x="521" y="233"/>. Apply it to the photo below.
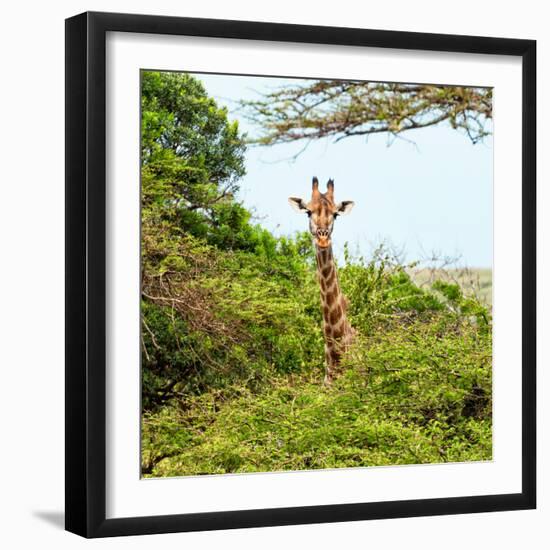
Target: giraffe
<point x="322" y="211"/>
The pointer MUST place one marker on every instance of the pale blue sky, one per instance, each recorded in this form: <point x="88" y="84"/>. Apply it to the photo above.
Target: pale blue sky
<point x="431" y="196"/>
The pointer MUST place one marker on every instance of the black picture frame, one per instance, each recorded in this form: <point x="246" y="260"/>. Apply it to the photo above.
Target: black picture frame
<point x="86" y="275"/>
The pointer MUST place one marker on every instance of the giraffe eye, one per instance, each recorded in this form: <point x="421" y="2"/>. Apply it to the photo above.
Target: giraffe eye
<point x="309" y="213"/>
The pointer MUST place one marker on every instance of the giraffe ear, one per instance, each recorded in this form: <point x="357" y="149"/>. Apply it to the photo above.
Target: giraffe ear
<point x="298" y="204"/>
<point x="344" y="207"/>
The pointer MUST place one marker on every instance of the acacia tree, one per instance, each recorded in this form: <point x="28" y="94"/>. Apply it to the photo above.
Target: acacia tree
<point x="341" y="109"/>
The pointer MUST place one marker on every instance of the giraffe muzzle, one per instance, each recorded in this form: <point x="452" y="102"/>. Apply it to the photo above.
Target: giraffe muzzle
<point x="322" y="236"/>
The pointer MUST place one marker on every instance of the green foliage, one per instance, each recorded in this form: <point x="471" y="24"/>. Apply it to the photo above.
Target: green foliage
<point x="416" y="393"/>
<point x="232" y="350"/>
<point x="414" y="388"/>
<point x="192" y="158"/>
<point x="379" y="289"/>
<point x="212" y="317"/>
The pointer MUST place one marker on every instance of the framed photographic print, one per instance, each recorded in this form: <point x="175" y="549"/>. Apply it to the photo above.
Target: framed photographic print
<point x="300" y="274"/>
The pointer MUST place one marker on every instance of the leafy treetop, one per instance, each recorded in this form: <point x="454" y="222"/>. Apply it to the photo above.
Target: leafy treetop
<point x="340" y="109"/>
<point x="192" y="159"/>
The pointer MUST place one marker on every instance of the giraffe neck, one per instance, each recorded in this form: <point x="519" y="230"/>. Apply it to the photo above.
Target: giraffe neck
<point x="336" y="328"/>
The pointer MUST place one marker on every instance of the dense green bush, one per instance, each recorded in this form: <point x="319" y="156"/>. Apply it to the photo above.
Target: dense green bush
<point x="415" y="387"/>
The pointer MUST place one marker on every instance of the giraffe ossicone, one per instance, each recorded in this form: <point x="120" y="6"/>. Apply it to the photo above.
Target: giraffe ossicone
<point x="322" y="211"/>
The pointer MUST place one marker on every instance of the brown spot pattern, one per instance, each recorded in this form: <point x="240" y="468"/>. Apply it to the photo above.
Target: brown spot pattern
<point x="337" y="331"/>
<point x="335" y="315"/>
<point x="330" y="298"/>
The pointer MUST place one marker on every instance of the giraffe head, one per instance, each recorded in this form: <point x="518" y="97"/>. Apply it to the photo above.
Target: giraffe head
<point x="321" y="211"/>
